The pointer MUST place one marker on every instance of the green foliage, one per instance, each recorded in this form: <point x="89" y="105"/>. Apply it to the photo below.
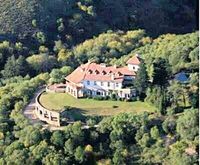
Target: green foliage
<point x="141" y="81"/>
<point x="41" y="63"/>
<point x="160" y="72"/>
<point x="145" y="141"/>
<point x="154" y="155"/>
<point x="57" y="138"/>
<point x="156" y="97"/>
<point x="169" y="125"/>
<point x="155" y="133"/>
<point x="15" y="67"/>
<point x="79" y="154"/>
<point x="54" y="159"/>
<point x="23" y="15"/>
<point x="56" y="34"/>
<point x="83" y="19"/>
<point x="178" y="156"/>
<point x="187" y="124"/>
<point x="58" y="75"/>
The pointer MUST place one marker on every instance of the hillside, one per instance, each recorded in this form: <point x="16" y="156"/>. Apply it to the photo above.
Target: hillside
<point x="16" y="16"/>
<point x="43" y="41"/>
<point x="83" y="19"/>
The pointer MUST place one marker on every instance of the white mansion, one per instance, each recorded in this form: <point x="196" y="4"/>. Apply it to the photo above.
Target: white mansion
<point x="93" y="79"/>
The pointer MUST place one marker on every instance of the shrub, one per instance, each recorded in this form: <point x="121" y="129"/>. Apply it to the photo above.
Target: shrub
<point x="174" y="110"/>
<point x="106" y="97"/>
<point x="89" y="97"/>
<point x="133" y="99"/>
<point x="113" y="97"/>
<point x="98" y="98"/>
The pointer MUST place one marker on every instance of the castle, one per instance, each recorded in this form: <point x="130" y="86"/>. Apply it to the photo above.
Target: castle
<point x="93" y="79"/>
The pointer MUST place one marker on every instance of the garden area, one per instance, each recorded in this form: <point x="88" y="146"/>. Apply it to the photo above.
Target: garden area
<point x="58" y="101"/>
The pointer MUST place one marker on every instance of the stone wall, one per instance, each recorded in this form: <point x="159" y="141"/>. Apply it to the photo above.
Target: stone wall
<point x="49" y="116"/>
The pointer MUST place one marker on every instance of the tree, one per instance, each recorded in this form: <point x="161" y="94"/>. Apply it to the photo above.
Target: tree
<point x="177" y="92"/>
<point x="69" y="147"/>
<point x="56" y="76"/>
<point x="54" y="159"/>
<point x="41" y="38"/>
<point x="42" y="62"/>
<point x="177" y="155"/>
<point x="157" y="97"/>
<point x="79" y="154"/>
<point x="88" y="148"/>
<point x="145" y="141"/>
<point x="161" y="72"/>
<point x="40" y="150"/>
<point x="19" y="157"/>
<point x="15" y="67"/>
<point x="57" y="138"/>
<point x="155" y="133"/>
<point x="118" y="158"/>
<point x="22" y="66"/>
<point x="65" y="56"/>
<point x="187" y="124"/>
<point x="194" y="90"/>
<point x="169" y="125"/>
<point x="58" y="46"/>
<point x="141" y="80"/>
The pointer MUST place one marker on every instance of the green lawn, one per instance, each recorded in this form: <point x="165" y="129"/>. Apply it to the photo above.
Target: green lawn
<point x="56" y="101"/>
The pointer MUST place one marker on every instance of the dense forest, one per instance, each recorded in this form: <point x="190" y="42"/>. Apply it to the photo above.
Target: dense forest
<point x="43" y="41"/>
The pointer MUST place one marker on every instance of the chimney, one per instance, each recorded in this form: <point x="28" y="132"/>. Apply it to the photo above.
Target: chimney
<point x="103" y="65"/>
<point x="115" y="66"/>
<point x="137" y="55"/>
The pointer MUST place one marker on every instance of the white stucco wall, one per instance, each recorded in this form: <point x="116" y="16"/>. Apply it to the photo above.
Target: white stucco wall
<point x="103" y="85"/>
<point x="133" y="67"/>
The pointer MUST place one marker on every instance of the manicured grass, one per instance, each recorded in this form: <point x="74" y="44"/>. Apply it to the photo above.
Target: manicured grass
<point x="57" y="101"/>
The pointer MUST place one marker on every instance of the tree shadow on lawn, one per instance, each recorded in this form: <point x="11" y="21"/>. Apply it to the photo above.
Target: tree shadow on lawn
<point x="74" y="114"/>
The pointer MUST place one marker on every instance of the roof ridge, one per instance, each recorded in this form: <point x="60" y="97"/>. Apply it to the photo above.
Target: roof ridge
<point x="86" y="70"/>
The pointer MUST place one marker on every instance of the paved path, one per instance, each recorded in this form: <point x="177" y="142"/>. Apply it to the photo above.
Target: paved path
<point x="29" y="109"/>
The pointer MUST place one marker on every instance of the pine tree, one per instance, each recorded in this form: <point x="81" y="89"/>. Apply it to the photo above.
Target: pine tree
<point x="10" y="68"/>
<point x="22" y="66"/>
<point x="161" y="72"/>
<point x="15" y="67"/>
<point x="141" y="81"/>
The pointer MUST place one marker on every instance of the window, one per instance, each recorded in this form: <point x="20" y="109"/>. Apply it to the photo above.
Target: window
<point x="133" y="68"/>
<point x="108" y="84"/>
<point x="101" y="83"/>
<point x="95" y="83"/>
<point x="117" y="84"/>
<point x="98" y="93"/>
<point x="88" y="82"/>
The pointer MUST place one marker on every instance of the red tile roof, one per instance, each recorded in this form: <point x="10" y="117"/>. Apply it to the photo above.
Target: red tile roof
<point x="98" y="72"/>
<point x="135" y="60"/>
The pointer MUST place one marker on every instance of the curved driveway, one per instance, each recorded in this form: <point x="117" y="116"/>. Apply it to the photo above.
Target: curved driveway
<point x="30" y="108"/>
<point x="30" y="114"/>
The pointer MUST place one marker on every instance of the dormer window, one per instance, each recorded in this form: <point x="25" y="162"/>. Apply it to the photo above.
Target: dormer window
<point x="119" y="73"/>
<point x="103" y="72"/>
<point x="96" y="72"/>
<point x="110" y="72"/>
<point x="90" y="71"/>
